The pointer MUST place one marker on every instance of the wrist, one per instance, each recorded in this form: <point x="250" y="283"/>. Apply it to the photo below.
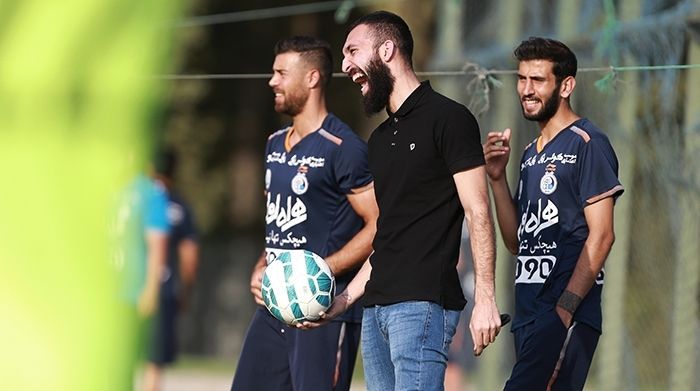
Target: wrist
<point x="498" y="182"/>
<point x="569" y="301"/>
<point x="485" y="291"/>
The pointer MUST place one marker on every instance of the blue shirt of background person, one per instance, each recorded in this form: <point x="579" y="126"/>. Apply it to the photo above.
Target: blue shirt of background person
<point x="142" y="210"/>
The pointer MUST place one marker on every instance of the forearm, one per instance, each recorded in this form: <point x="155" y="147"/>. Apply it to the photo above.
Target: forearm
<point x="261" y="262"/>
<point x="483" y="248"/>
<point x="506" y="214"/>
<point x="351" y="256"/>
<point x="356" y="287"/>
<point x="152" y="282"/>
<point x="589" y="264"/>
<point x="474" y="196"/>
<point x="352" y="293"/>
<point x="155" y="260"/>
<point x="601" y="235"/>
<point x="189" y="262"/>
<point x="485" y="323"/>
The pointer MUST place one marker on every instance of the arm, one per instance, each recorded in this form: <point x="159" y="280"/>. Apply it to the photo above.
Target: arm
<point x="351" y="255"/>
<point x="188" y="251"/>
<point x="256" y="279"/>
<point x="497" y="152"/>
<point x="343" y="301"/>
<point x="599" y="217"/>
<point x="157" y="246"/>
<point x="357" y="249"/>
<point x="473" y="194"/>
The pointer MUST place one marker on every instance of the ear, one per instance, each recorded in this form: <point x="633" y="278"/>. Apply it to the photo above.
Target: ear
<point x="387" y="50"/>
<point x="313" y="78"/>
<point x="567" y="87"/>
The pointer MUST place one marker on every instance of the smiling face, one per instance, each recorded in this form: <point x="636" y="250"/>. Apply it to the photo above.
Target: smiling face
<point x="362" y="63"/>
<point x="358" y="51"/>
<point x="288" y="83"/>
<point x="538" y="90"/>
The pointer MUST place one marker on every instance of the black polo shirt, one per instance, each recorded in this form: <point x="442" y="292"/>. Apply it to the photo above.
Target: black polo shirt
<point x="412" y="157"/>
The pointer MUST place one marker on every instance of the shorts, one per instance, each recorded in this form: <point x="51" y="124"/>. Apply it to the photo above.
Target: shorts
<point x="546" y="346"/>
<point x="278" y="357"/>
<point x="163" y="337"/>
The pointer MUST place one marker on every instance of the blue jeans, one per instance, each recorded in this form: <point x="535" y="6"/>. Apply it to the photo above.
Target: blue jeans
<point x="404" y="345"/>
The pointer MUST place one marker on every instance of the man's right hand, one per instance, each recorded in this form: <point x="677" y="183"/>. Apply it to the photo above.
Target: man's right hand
<point x="340" y="304"/>
<point x="496" y="153"/>
<point x="256" y="283"/>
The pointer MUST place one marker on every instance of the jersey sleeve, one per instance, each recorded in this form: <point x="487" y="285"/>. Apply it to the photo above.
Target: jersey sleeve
<point x="351" y="168"/>
<point x="459" y="141"/>
<point x="189" y="230"/>
<point x="598" y="172"/>
<point x="157" y="211"/>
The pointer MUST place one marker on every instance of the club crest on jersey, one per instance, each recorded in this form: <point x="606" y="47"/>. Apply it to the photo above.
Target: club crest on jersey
<point x="548" y="183"/>
<point x="175" y="214"/>
<point x="300" y="184"/>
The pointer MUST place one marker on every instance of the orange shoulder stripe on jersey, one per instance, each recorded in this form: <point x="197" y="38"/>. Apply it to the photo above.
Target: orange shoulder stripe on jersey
<point x="277" y="133"/>
<point x="363" y="188"/>
<point x="336" y="140"/>
<point x="584" y="135"/>
<point x="531" y="142"/>
<point x="607" y="194"/>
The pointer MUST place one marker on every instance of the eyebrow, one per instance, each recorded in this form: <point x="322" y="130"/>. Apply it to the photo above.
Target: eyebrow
<point x="521" y="76"/>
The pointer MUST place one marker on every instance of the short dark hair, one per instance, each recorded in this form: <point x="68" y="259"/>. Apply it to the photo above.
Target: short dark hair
<point x="314" y="51"/>
<point x="538" y="48"/>
<point x="165" y="162"/>
<point x="388" y="26"/>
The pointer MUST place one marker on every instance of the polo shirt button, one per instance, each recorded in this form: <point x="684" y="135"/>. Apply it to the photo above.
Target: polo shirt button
<point x="395" y="131"/>
<point x="393" y="144"/>
<point x="396" y="119"/>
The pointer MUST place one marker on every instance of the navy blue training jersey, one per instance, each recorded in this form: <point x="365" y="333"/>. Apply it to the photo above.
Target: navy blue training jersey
<point x="307" y="187"/>
<point x="576" y="168"/>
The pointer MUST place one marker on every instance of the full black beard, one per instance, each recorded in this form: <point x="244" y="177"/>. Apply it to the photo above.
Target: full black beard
<point x="550" y="107"/>
<point x="381" y="85"/>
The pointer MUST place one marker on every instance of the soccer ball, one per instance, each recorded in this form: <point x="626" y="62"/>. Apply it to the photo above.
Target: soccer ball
<point x="297" y="285"/>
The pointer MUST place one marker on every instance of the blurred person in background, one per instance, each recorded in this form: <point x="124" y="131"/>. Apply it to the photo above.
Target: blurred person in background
<point x="461" y="361"/>
<point x="140" y="229"/>
<point x="178" y="275"/>
<point x="559" y="225"/>
<point x="320" y="197"/>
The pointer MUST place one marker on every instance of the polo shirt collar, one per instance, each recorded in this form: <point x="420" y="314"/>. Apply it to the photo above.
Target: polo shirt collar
<point x="412" y="100"/>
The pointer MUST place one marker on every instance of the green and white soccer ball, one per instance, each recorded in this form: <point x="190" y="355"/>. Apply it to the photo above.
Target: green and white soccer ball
<point x="297" y="285"/>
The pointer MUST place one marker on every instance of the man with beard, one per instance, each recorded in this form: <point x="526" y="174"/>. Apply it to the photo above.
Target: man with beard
<point x="320" y="197"/>
<point x="428" y="168"/>
<point x="560" y="225"/>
